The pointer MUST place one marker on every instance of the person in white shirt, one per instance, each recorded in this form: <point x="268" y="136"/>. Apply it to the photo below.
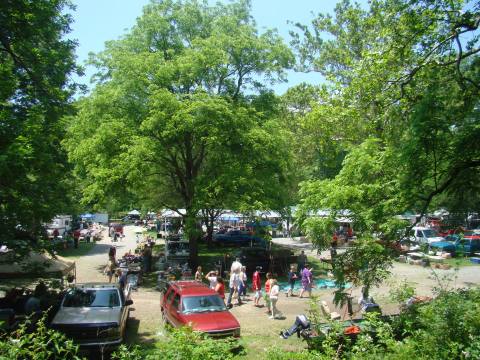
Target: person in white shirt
<point x="236" y="266"/>
<point x="274" y="291"/>
<point x="242" y="290"/>
<point x="212" y="278"/>
<point x="235" y="282"/>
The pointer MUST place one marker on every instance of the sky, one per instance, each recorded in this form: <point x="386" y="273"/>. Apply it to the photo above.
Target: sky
<point x="97" y="21"/>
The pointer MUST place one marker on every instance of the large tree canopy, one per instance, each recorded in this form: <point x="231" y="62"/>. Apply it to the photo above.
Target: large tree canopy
<point x="35" y="90"/>
<point x="169" y="120"/>
<point x="404" y="92"/>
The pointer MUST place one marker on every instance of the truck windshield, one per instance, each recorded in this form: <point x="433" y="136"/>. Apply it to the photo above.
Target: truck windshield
<point x="91" y="298"/>
<point x="198" y="304"/>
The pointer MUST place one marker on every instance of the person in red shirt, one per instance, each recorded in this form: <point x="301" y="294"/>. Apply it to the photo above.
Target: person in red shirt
<point x="220" y="288"/>
<point x="257" y="286"/>
<point x="268" y="285"/>
<point x="349" y="232"/>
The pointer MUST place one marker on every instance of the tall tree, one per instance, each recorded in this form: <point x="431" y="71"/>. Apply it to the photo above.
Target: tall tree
<point x="35" y="91"/>
<point x="404" y="84"/>
<point x="169" y="112"/>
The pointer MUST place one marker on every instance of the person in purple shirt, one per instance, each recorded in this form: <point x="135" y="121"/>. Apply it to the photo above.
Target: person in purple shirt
<point x="307" y="280"/>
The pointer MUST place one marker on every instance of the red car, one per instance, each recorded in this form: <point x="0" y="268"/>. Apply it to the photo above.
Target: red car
<point x="471" y="235"/>
<point x="195" y="304"/>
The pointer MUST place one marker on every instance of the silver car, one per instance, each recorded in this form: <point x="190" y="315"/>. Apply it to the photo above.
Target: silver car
<point x="94" y="315"/>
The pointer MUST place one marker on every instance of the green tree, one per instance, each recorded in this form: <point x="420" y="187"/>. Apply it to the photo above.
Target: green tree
<point x="35" y="91"/>
<point x="169" y="121"/>
<point x="403" y="87"/>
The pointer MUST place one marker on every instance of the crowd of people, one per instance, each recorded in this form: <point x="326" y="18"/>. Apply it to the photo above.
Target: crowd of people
<point x="237" y="285"/>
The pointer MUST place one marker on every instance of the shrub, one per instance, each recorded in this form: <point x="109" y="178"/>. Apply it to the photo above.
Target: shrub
<point x="183" y="343"/>
<point x="35" y="341"/>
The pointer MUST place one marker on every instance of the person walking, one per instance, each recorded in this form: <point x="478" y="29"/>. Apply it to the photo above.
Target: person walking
<point x="234" y="283"/>
<point x="292" y="277"/>
<point x="274" y="291"/>
<point x="112" y="253"/>
<point x="243" y="285"/>
<point x="109" y="270"/>
<point x="268" y="287"/>
<point x="307" y="279"/>
<point x="257" y="286"/>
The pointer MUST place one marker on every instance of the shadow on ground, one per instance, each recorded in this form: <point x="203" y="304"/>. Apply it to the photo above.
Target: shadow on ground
<point x="134" y="337"/>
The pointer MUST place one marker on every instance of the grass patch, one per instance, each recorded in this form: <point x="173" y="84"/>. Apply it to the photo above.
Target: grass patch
<point x="459" y="262"/>
<point x="83" y="249"/>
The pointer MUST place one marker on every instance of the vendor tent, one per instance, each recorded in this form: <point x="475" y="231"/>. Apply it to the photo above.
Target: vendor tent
<point x="38" y="265"/>
<point x="134" y="212"/>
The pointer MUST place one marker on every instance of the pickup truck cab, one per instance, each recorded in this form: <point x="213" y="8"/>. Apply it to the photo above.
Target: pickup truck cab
<point x="424" y="235"/>
<point x="94" y="315"/>
<point x="468" y="245"/>
<point x="193" y="303"/>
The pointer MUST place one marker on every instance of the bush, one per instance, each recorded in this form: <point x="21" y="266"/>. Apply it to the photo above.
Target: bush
<point x="446" y="328"/>
<point x="35" y="341"/>
<point x="184" y="343"/>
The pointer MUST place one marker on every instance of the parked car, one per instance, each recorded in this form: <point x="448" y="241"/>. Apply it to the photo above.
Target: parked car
<point x="446" y="246"/>
<point x="195" y="304"/>
<point x="455" y="244"/>
<point x="94" y="315"/>
<point x="424" y="235"/>
<point x="238" y="238"/>
<point x="467" y="245"/>
<point x="471" y="235"/>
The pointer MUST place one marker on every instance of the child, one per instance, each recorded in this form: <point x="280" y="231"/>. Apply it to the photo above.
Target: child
<point x="220" y="288"/>
<point x="268" y="286"/>
<point x="110" y="270"/>
<point x="242" y="291"/>
<point x="198" y="274"/>
<point x="274" y="298"/>
<point x="292" y="276"/>
<point x="257" y="286"/>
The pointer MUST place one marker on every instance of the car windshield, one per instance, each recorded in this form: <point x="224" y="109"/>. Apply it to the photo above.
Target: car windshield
<point x="91" y="298"/>
<point x="198" y="304"/>
<point x="429" y="233"/>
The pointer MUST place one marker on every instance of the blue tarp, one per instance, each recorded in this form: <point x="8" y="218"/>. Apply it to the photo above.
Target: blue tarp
<point x="319" y="284"/>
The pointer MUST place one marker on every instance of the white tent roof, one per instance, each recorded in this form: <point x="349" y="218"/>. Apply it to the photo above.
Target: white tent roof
<point x="167" y="213"/>
<point x="134" y="212"/>
<point x="44" y="263"/>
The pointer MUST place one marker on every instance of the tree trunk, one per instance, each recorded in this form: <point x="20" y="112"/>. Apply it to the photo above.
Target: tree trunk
<point x="210" y="221"/>
<point x="192" y="235"/>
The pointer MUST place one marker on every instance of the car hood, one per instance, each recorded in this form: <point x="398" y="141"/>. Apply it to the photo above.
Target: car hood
<point x="443" y="244"/>
<point x="87" y="315"/>
<point x="211" y="321"/>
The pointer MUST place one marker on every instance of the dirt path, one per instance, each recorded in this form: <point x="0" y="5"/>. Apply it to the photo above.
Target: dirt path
<point x="144" y="321"/>
<point x="258" y="331"/>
